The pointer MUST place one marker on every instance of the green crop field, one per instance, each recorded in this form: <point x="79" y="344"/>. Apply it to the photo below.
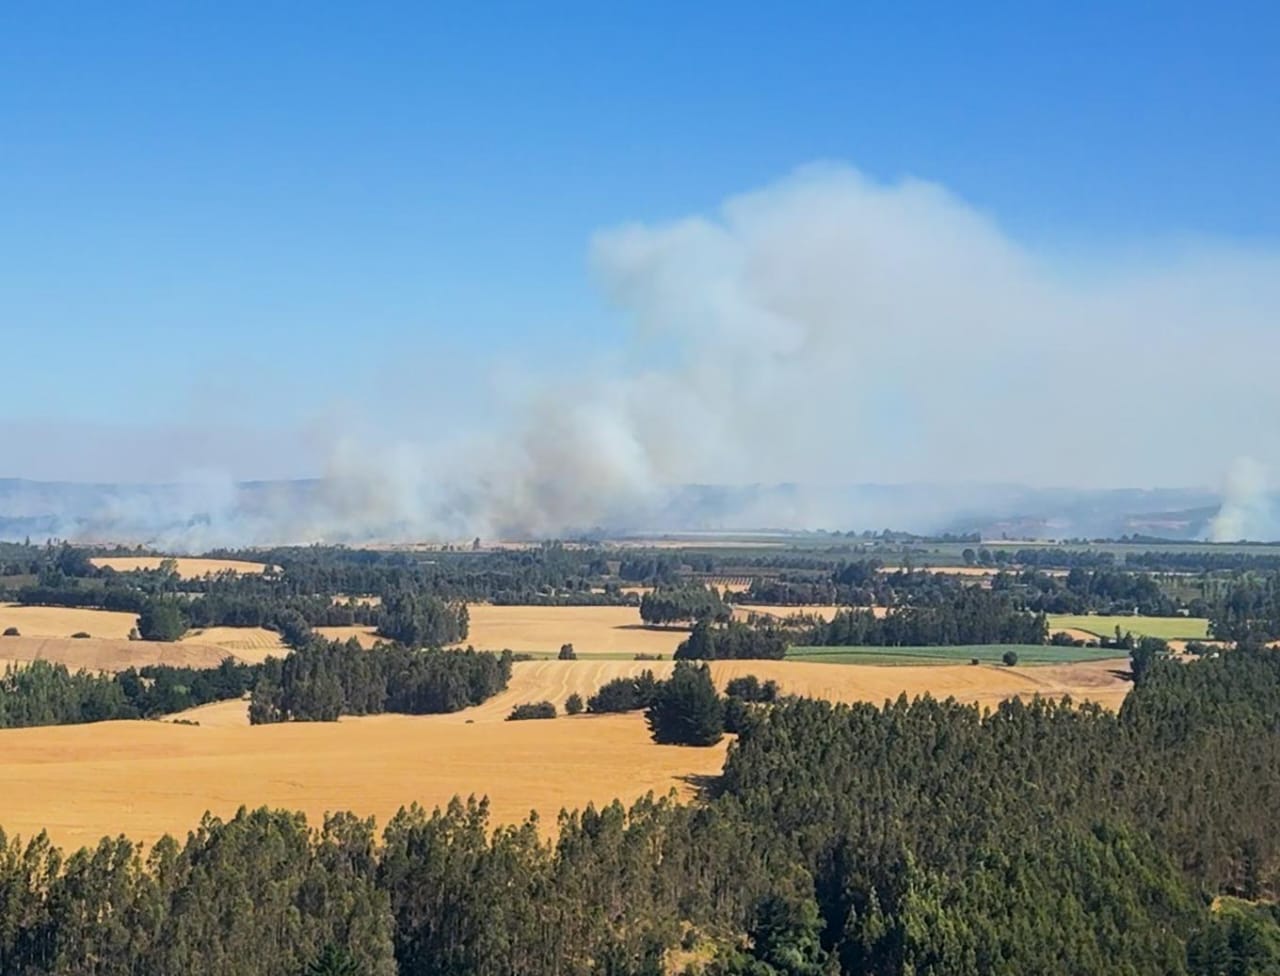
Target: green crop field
<point x="1167" y="628"/>
<point x="951" y="654"/>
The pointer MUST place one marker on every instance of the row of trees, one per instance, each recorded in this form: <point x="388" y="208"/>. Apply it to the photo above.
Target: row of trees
<point x="735" y="639"/>
<point x="969" y="616"/>
<point x="921" y="837"/>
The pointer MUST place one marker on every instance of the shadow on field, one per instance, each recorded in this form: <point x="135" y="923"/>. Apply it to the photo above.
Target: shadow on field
<point x="705" y="786"/>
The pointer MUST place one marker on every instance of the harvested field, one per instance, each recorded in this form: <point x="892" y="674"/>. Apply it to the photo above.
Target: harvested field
<point x="149" y="778"/>
<point x="100" y="654"/>
<point x="189" y="567"/>
<point x="1075" y="633"/>
<point x="1167" y="628"/>
<point x="591" y="630"/>
<point x="65" y="621"/>
<point x="251" y="644"/>
<point x="364" y="635"/>
<point x="1028" y="654"/>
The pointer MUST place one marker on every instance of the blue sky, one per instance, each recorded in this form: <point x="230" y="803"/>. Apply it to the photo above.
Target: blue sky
<point x="246" y="217"/>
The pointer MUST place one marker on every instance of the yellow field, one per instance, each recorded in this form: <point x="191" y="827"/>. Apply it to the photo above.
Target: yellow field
<point x="149" y="778"/>
<point x="188" y="567"/>
<point x="99" y="654"/>
<point x="591" y="630"/>
<point x="250" y="644"/>
<point x="65" y="621"/>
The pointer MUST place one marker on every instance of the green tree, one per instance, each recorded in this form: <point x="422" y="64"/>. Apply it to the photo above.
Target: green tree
<point x="161" y="620"/>
<point x="573" y="704"/>
<point x="687" y="711"/>
<point x="1010" y="658"/>
<point x="567" y="653"/>
<point x="333" y="962"/>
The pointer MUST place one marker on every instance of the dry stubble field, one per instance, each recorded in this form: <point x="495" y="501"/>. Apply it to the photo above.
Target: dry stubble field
<point x="188" y="567"/>
<point x="149" y="778"/>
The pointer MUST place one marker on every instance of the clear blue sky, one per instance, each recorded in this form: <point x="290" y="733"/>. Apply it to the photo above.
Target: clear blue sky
<point x="326" y="200"/>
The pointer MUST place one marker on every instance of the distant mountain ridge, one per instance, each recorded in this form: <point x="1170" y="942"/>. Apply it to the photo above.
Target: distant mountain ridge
<point x="197" y="516"/>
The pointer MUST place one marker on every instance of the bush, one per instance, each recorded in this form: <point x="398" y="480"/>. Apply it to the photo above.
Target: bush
<point x="567" y="653"/>
<point x="686" y="710"/>
<point x="749" y="688"/>
<point x="81" y="634"/>
<point x="11" y="632"/>
<point x="1010" y="658"/>
<point x="532" y="710"/>
<point x="573" y="704"/>
<point x="625" y="694"/>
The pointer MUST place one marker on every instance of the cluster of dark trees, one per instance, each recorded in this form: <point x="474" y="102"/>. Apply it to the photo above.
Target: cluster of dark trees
<point x="326" y="679"/>
<point x="970" y="616"/>
<point x="922" y="837"/>
<point x="683" y="604"/>
<point x="532" y="710"/>
<point x="42" y="693"/>
<point x="735" y="639"/>
<point x="1248" y="611"/>
<point x="625" y="694"/>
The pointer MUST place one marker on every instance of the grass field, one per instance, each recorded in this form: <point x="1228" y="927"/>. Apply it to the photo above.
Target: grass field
<point x="1028" y="654"/>
<point x="1167" y="628"/>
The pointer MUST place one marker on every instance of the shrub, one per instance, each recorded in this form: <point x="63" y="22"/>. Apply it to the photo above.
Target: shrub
<point x="573" y="704"/>
<point x="11" y="632"/>
<point x="1010" y="658"/>
<point x="567" y="653"/>
<point x="532" y="710"/>
<point x="80" y="634"/>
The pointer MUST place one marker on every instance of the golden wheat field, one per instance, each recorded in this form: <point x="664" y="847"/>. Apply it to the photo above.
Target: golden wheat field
<point x="591" y="630"/>
<point x="188" y="567"/>
<point x="105" y="654"/>
<point x="741" y="611"/>
<point x="65" y="621"/>
<point x="149" y="778"/>
<point x="249" y="644"/>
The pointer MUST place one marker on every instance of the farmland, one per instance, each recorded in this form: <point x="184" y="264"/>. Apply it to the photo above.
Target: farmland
<point x="149" y="778"/>
<point x="1166" y="628"/>
<point x="65" y="621"/>
<point x="185" y="566"/>
<point x="591" y="630"/>
<point x="1028" y="654"/>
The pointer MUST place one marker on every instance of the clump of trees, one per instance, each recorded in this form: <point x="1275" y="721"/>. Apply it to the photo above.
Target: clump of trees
<point x="625" y="694"/>
<point x="707" y="641"/>
<point x="682" y="604"/>
<point x="532" y="710"/>
<point x="41" y="693"/>
<point x="686" y="710"/>
<point x="567" y="653"/>
<point x="326" y="679"/>
<point x="573" y="705"/>
<point x="422" y="621"/>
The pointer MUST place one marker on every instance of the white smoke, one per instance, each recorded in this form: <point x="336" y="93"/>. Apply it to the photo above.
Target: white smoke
<point x="831" y="329"/>
<point x="1248" y="511"/>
